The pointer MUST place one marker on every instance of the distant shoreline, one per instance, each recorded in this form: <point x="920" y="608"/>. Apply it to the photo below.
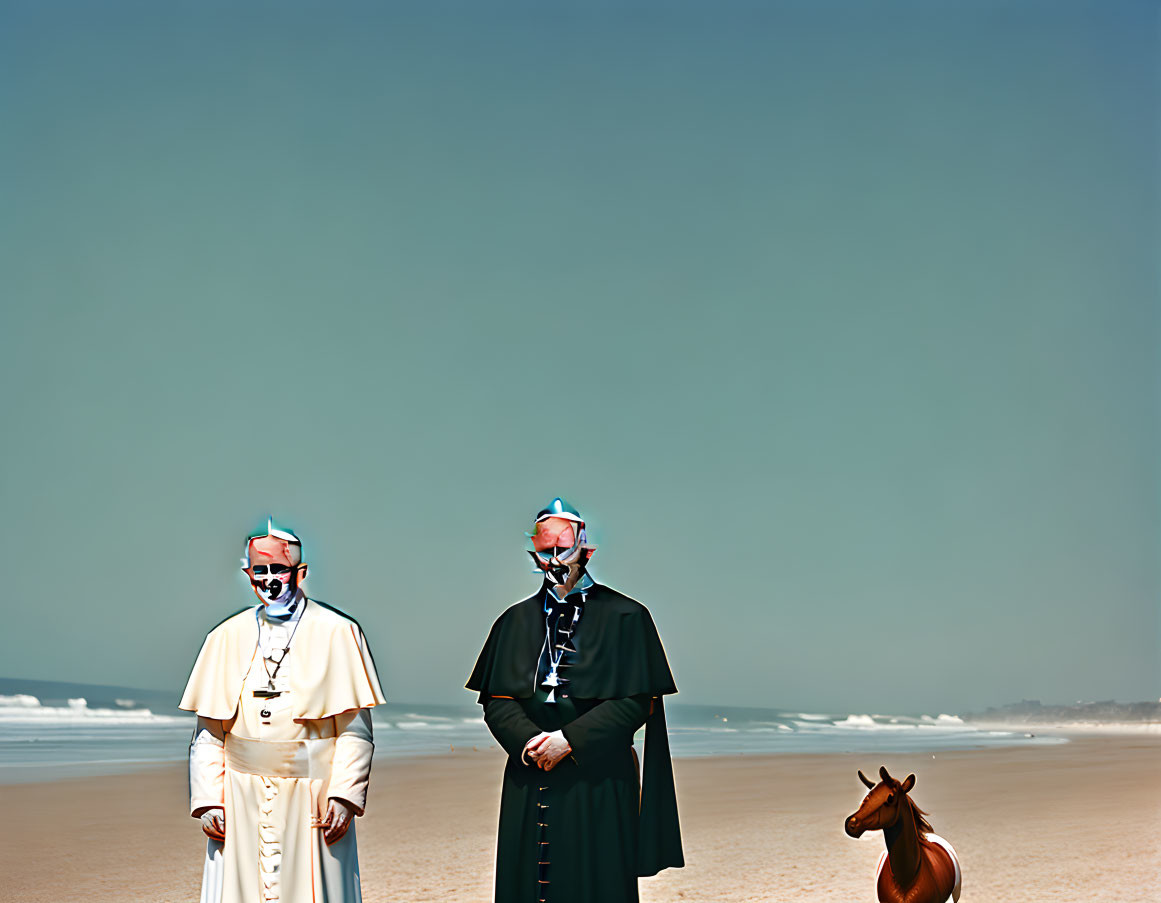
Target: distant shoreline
<point x="1106" y="716"/>
<point x="1112" y="728"/>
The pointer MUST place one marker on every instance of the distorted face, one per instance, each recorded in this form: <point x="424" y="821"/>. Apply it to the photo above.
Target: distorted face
<point x="553" y="533"/>
<point x="275" y="569"/>
<point x="559" y="550"/>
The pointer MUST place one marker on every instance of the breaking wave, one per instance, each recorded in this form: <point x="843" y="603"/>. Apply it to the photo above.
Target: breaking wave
<point x="22" y="708"/>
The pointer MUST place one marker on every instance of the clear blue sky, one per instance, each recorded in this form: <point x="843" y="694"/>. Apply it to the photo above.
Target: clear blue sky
<point x="838" y="320"/>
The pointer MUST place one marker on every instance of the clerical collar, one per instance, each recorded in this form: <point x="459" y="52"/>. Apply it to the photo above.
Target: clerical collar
<point x="582" y="586"/>
<point x="296" y="609"/>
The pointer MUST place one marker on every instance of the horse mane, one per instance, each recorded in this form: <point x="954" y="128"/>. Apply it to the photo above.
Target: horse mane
<point x="921" y="823"/>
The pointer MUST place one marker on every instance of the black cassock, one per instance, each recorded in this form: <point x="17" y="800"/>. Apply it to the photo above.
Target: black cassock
<point x="585" y="831"/>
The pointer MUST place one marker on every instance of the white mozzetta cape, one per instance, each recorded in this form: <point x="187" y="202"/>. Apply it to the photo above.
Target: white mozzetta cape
<point x="333" y="669"/>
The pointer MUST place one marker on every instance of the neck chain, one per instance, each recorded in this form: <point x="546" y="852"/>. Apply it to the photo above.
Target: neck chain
<point x="557" y="650"/>
<point x="281" y="658"/>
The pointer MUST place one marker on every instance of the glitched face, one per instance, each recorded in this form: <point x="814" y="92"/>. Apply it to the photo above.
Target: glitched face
<point x="560" y="550"/>
<point x="553" y="533"/>
<point x="275" y="568"/>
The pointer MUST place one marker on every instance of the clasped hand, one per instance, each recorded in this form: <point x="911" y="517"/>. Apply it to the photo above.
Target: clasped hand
<point x="547" y="749"/>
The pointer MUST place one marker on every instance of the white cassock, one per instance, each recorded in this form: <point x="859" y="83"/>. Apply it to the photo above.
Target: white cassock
<point x="273" y="762"/>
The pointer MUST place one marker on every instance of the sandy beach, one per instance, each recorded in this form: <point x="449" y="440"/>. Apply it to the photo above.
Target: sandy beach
<point x="1080" y="820"/>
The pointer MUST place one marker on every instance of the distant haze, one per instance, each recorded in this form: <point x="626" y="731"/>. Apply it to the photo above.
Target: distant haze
<point x="839" y="322"/>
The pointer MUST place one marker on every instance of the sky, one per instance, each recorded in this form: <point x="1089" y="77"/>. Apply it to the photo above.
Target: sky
<point x="837" y="321"/>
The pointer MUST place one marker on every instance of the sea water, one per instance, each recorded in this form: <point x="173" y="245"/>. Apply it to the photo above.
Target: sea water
<point x="55" y="730"/>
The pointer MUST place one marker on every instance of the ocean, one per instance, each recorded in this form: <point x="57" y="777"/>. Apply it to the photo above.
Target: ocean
<point x="52" y="730"/>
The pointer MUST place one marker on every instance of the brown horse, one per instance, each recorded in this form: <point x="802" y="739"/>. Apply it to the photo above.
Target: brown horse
<point x="922" y="866"/>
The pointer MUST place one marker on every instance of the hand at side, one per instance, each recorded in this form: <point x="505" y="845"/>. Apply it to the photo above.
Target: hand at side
<point x="214" y="823"/>
<point x="338" y="820"/>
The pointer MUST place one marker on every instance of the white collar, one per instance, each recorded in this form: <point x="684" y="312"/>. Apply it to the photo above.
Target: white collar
<point x="582" y="588"/>
<point x="299" y="608"/>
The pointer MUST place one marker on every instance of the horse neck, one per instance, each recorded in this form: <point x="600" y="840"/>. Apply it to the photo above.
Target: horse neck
<point x="903" y="851"/>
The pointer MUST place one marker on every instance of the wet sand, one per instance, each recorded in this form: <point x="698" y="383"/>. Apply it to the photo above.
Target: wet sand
<point x="1080" y="820"/>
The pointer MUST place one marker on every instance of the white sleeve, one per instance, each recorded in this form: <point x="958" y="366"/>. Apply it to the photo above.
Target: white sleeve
<point x="351" y="768"/>
<point x="207" y="766"/>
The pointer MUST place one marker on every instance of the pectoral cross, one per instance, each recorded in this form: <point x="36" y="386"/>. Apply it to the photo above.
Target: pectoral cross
<point x="552" y="682"/>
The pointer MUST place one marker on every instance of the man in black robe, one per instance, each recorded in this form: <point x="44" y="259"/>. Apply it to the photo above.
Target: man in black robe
<point x="566" y="678"/>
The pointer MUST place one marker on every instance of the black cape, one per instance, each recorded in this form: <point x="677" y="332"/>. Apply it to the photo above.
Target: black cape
<point x="619" y="655"/>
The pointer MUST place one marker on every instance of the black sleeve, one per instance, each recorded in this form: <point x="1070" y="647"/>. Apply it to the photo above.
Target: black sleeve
<point x="606" y="726"/>
<point x="508" y="723"/>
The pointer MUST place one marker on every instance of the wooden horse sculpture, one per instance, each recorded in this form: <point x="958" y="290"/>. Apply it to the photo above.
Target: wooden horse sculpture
<point x="918" y="866"/>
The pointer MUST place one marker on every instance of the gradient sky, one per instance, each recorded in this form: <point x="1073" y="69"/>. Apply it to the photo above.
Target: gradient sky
<point x="839" y="322"/>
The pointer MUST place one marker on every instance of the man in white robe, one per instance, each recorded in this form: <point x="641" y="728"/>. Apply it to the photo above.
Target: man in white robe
<point x="281" y="755"/>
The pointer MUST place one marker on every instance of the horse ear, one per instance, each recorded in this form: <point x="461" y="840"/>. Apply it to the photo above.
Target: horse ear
<point x="883" y="774"/>
<point x="908" y="783"/>
<point x="866" y="780"/>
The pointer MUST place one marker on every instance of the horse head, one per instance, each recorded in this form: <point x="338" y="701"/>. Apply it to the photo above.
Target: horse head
<point x="882" y="806"/>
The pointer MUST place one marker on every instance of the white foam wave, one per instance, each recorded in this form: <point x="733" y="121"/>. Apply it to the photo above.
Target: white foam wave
<point x="20" y="700"/>
<point x="25" y="709"/>
<point x="862" y="721"/>
<point x="926" y="723"/>
<point x="423" y="725"/>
